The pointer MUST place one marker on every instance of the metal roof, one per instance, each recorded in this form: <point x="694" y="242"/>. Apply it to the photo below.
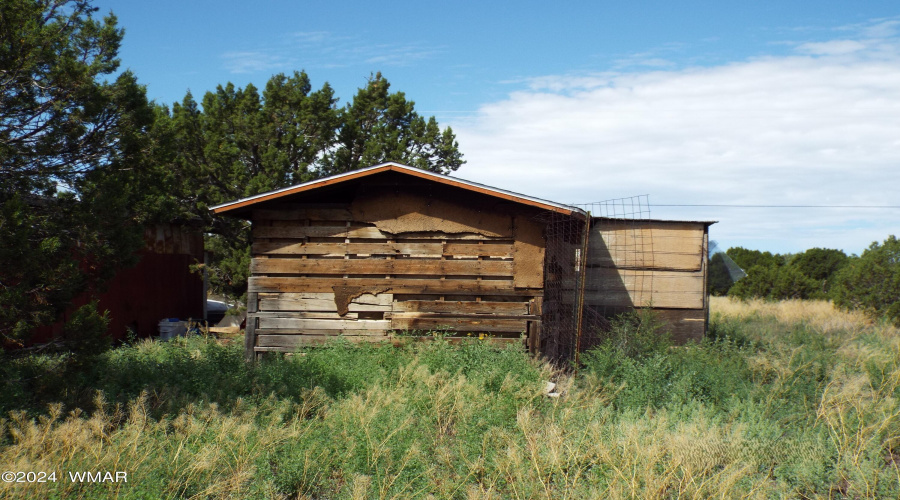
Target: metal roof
<point x="705" y="222"/>
<point x="396" y="167"/>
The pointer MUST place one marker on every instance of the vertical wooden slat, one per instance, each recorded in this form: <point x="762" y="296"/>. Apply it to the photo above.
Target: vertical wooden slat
<point x="704" y="271"/>
<point x="347" y="242"/>
<point x="250" y="330"/>
<point x="534" y="326"/>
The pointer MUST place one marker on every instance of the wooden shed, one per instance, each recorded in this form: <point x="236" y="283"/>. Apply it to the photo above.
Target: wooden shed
<point x="159" y="286"/>
<point x="391" y="251"/>
<point x="659" y="264"/>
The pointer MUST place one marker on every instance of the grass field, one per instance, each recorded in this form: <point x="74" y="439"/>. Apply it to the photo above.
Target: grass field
<point x="783" y="400"/>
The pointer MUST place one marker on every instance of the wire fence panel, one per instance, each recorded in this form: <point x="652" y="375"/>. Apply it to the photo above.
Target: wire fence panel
<point x="595" y="268"/>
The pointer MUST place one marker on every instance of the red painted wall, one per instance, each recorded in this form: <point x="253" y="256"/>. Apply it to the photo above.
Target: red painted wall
<point x="161" y="285"/>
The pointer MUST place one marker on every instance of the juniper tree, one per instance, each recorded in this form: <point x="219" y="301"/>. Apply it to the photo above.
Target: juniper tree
<point x="72" y="157"/>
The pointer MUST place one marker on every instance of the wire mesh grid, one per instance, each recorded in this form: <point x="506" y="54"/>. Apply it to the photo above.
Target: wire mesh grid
<point x="595" y="268"/>
<point x="562" y="271"/>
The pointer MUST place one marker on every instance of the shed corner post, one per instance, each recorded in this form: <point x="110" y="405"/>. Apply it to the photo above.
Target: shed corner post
<point x="535" y="308"/>
<point x="581" y="284"/>
<point x="704" y="271"/>
<point x="250" y="330"/>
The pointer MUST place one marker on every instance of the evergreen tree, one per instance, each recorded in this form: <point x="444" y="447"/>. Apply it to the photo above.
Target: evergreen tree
<point x="871" y="282"/>
<point x="775" y="283"/>
<point x="239" y="143"/>
<point x="74" y="159"/>
<point x="820" y="264"/>
<point x="378" y="126"/>
<point x="746" y="258"/>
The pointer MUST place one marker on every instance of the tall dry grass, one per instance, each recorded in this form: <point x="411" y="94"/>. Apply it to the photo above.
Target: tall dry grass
<point x="818" y="314"/>
<point x="791" y="400"/>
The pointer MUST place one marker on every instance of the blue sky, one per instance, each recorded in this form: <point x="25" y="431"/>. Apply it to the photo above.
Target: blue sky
<point x="704" y="102"/>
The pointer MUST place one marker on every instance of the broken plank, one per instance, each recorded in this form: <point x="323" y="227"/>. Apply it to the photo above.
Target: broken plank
<point x="323" y="302"/>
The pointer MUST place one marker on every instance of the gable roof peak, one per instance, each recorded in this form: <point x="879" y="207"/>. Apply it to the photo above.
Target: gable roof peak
<point x="406" y="169"/>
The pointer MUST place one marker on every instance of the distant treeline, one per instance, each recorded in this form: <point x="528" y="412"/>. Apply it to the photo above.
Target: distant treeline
<point x="869" y="282"/>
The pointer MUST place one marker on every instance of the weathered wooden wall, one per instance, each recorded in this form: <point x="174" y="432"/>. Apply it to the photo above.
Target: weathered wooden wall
<point x="390" y="262"/>
<point x="657" y="264"/>
<point x="161" y="285"/>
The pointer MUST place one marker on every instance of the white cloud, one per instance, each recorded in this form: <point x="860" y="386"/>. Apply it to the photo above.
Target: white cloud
<point x="833" y="47"/>
<point x="311" y="49"/>
<point x="820" y="126"/>
<point x="250" y="61"/>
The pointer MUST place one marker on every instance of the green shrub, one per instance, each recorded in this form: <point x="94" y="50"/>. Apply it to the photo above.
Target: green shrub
<point x="86" y="331"/>
<point x="775" y="283"/>
<point x="820" y="264"/>
<point x="746" y="258"/>
<point x="713" y="373"/>
<point x="871" y="282"/>
<point x="636" y="335"/>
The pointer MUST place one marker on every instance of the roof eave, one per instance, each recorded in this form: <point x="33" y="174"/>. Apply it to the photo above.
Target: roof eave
<point x="460" y="183"/>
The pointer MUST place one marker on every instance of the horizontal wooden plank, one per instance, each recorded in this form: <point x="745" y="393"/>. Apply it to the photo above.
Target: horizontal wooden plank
<point x="659" y="299"/>
<point x="456" y="315"/>
<point x="656" y="245"/>
<point x="323" y="331"/>
<point x="288" y="341"/>
<point x="366" y="298"/>
<point x="322" y="324"/>
<point x="502" y="250"/>
<point x="498" y="341"/>
<point x="637" y="230"/>
<point x="435" y="267"/>
<point x="647" y="260"/>
<point x="332" y="214"/>
<point x="683" y="324"/>
<point x="280" y="345"/>
<point x="323" y="302"/>
<point x="424" y="249"/>
<point x="625" y="288"/>
<point x="398" y="285"/>
<point x="462" y="307"/>
<point x="301" y="314"/>
<point x="319" y="305"/>
<point x="459" y="324"/>
<point x="299" y="231"/>
<point x="421" y="211"/>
